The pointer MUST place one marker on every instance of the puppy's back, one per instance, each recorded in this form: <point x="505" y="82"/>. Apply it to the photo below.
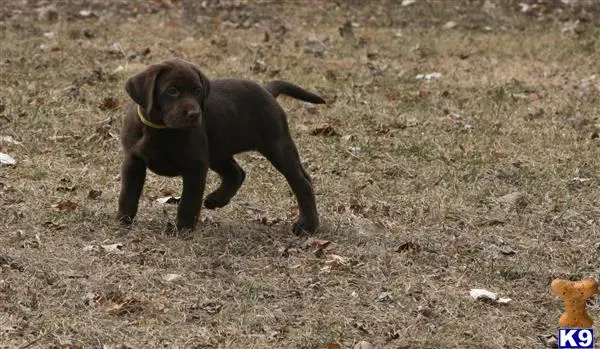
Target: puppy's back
<point x="241" y="115"/>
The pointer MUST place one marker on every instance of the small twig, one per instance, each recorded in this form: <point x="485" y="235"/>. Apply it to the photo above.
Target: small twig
<point x="27" y="345"/>
<point x="352" y="154"/>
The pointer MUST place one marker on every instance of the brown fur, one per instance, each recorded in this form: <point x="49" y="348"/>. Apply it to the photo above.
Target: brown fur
<point x="207" y="122"/>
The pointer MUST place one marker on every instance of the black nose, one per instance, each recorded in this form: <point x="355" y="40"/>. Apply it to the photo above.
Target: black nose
<point x="193" y="114"/>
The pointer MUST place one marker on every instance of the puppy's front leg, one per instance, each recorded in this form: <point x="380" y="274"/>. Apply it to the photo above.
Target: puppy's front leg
<point x="133" y="175"/>
<point x="191" y="198"/>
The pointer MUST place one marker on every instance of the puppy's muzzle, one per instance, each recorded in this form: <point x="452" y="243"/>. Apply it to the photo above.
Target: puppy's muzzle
<point x="193" y="115"/>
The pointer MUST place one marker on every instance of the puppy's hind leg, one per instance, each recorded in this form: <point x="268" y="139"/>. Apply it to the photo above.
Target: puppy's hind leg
<point x="282" y="153"/>
<point x="232" y="177"/>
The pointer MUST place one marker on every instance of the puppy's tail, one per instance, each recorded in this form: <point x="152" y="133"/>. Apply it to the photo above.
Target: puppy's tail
<point x="277" y="87"/>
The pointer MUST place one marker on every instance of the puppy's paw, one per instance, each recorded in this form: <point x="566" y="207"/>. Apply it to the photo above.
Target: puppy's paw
<point x="183" y="233"/>
<point x="125" y="219"/>
<point x="305" y="226"/>
<point x="170" y="229"/>
<point x="214" y="200"/>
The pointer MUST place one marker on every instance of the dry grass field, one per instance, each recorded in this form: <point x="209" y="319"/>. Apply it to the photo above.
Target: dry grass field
<point x="483" y="177"/>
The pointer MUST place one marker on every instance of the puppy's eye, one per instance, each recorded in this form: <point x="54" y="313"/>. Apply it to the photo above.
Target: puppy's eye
<point x="199" y="92"/>
<point x="173" y="91"/>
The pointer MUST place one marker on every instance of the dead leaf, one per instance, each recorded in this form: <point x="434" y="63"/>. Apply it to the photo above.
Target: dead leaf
<point x="320" y="246"/>
<point x="393" y="334"/>
<point x="450" y="25"/>
<point x="580" y="179"/>
<point x="392" y="95"/>
<point x="166" y="191"/>
<point x="425" y="311"/>
<point x="169" y="200"/>
<point x="105" y="131"/>
<point x="94" y="194"/>
<point x="354" y="151"/>
<point x="9" y="140"/>
<point x="507" y="251"/>
<point x="549" y="341"/>
<point x="312" y="242"/>
<point x="109" y="103"/>
<point x="65" y="205"/>
<point x="259" y="66"/>
<point x="126" y="306"/>
<point x="91" y="248"/>
<point x="362" y="327"/>
<point x="335" y="262"/>
<point x="212" y="308"/>
<point x="86" y="14"/>
<point x="53" y="225"/>
<point x="115" y="49"/>
<point x="172" y="277"/>
<point x="411" y="122"/>
<point x="363" y="345"/>
<point x="349" y="138"/>
<point x="285" y="252"/>
<point x="268" y="221"/>
<point x="487" y="296"/>
<point x="430" y="76"/>
<point x="6" y="159"/>
<point x="66" y="189"/>
<point x="326" y="130"/>
<point x="499" y="154"/>
<point x="50" y="35"/>
<point x="65" y="344"/>
<point x="110" y="249"/>
<point x="333" y="345"/>
<point x="140" y="320"/>
<point x="376" y="69"/>
<point x="385" y="297"/>
<point x="408" y="246"/>
<point x="113" y="248"/>
<point x="515" y="199"/>
<point x="114" y="302"/>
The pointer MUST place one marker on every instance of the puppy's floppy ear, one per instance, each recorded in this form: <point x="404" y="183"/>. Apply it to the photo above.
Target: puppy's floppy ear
<point x="140" y="87"/>
<point x="205" y="82"/>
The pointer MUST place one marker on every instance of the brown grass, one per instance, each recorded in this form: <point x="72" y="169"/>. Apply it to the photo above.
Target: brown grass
<point x="403" y="172"/>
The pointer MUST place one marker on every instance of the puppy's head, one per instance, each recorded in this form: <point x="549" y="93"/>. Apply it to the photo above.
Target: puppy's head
<point x="172" y="92"/>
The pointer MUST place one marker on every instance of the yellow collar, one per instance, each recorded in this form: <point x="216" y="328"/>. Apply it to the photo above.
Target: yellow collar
<point x="146" y="121"/>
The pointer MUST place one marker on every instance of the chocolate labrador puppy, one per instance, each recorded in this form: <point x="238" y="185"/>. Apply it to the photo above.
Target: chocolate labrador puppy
<point x="181" y="123"/>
